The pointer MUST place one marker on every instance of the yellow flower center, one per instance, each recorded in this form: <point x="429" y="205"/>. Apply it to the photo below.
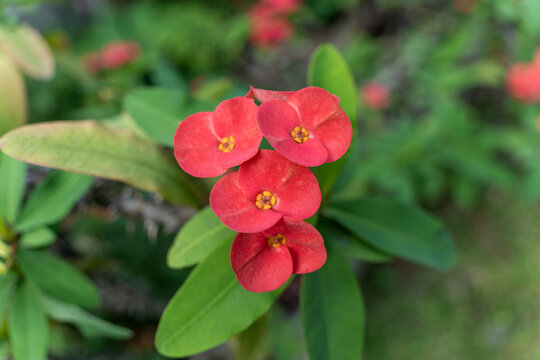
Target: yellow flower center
<point x="276" y="240"/>
<point x="227" y="144"/>
<point x="299" y="134"/>
<point x="265" y="200"/>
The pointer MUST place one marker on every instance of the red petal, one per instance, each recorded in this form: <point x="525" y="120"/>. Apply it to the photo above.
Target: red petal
<point x="237" y="117"/>
<point x="267" y="95"/>
<point x="296" y="188"/>
<point x="335" y="134"/>
<point x="314" y="106"/>
<point x="237" y="209"/>
<point x="259" y="267"/>
<point x="196" y="146"/>
<point x="305" y="243"/>
<point x="276" y="120"/>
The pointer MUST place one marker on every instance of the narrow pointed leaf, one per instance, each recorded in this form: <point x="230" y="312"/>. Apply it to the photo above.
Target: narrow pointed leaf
<point x="90" y="325"/>
<point x="53" y="199"/>
<point x="58" y="278"/>
<point x="210" y="307"/>
<point x="197" y="238"/>
<point x="332" y="311"/>
<point x="37" y="238"/>
<point x="396" y="228"/>
<point x="90" y="148"/>
<point x="27" y="325"/>
<point x="12" y="96"/>
<point x="29" y="50"/>
<point x="12" y="185"/>
<point x="8" y="284"/>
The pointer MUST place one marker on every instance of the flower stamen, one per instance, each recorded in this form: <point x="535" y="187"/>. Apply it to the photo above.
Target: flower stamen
<point x="227" y="144"/>
<point x="276" y="240"/>
<point x="265" y="200"/>
<point x="299" y="134"/>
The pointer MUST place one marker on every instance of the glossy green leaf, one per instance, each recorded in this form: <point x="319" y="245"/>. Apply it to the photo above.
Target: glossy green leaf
<point x="27" y="324"/>
<point x="12" y="185"/>
<point x="38" y="238"/>
<point x="328" y="70"/>
<point x="53" y="199"/>
<point x="351" y="245"/>
<point x="8" y="284"/>
<point x="157" y="111"/>
<point x="396" y="228"/>
<point x="29" y="50"/>
<point x="332" y="311"/>
<point x="12" y="96"/>
<point x="58" y="278"/>
<point x="90" y="325"/>
<point x="90" y="148"/>
<point x="197" y="238"/>
<point x="210" y="307"/>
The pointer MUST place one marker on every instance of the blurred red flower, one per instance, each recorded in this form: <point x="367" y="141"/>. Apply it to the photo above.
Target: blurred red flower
<point x="111" y="56"/>
<point x="309" y="128"/>
<point x="265" y="260"/>
<point x="262" y="191"/>
<point x="269" y="23"/>
<point x="523" y="82"/>
<point x="375" y="96"/>
<point x="206" y="144"/>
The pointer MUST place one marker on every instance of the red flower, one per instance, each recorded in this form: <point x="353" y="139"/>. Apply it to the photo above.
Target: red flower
<point x="264" y="261"/>
<point x="206" y="144"/>
<point x="270" y="31"/>
<point x="309" y="128"/>
<point x="375" y="96"/>
<point x="118" y="54"/>
<point x="266" y="95"/>
<point x="262" y="191"/>
<point x="283" y="7"/>
<point x="523" y="81"/>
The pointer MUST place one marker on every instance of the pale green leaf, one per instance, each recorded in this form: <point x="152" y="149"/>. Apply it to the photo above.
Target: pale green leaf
<point x="89" y="324"/>
<point x="12" y="185"/>
<point x="8" y="284"/>
<point x="37" y="238"/>
<point x="29" y="50"/>
<point x="332" y="311"/>
<point x="210" y="307"/>
<point x="27" y="325"/>
<point x="157" y="111"/>
<point x="197" y="238"/>
<point x="58" y="278"/>
<point x="53" y="199"/>
<point x="13" y="104"/>
<point x="90" y="148"/>
<point x="396" y="228"/>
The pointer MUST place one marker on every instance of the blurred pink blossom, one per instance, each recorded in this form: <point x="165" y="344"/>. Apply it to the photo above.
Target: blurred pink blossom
<point x="375" y="95"/>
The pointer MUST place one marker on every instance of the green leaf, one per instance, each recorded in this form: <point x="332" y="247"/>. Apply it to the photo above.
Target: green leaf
<point x="29" y="50"/>
<point x="332" y="311"/>
<point x="396" y="228"/>
<point x="90" y="325"/>
<point x="156" y="111"/>
<point x="38" y="238"/>
<point x="197" y="238"/>
<point x="351" y="245"/>
<point x="8" y="283"/>
<point x="27" y="325"/>
<point x="209" y="308"/>
<point x="53" y="199"/>
<point x="328" y="70"/>
<point x="12" y="96"/>
<point x="13" y="184"/>
<point x="88" y="147"/>
<point x="58" y="278"/>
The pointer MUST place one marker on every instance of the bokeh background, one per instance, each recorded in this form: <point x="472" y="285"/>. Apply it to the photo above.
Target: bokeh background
<point x="445" y="121"/>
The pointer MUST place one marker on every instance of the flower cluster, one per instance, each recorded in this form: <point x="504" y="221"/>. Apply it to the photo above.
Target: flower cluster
<point x="523" y="80"/>
<point x="270" y="194"/>
<point x="111" y="56"/>
<point x="270" y="25"/>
